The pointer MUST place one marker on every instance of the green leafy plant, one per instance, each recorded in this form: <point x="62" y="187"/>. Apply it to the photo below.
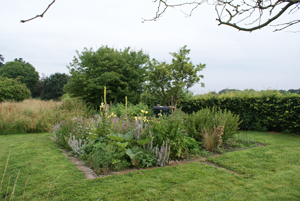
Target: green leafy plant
<point x="170" y="129"/>
<point x="13" y="90"/>
<point x="209" y="119"/>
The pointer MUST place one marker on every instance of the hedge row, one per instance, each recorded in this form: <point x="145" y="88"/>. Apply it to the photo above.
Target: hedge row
<point x="265" y="110"/>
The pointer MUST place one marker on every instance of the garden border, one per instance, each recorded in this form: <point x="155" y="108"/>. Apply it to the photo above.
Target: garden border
<point x="90" y="174"/>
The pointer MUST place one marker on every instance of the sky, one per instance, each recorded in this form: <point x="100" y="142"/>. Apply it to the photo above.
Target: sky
<point x="234" y="59"/>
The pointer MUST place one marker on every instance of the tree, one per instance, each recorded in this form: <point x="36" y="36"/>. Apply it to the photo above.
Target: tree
<point x="172" y="81"/>
<point x="255" y="14"/>
<point x="121" y="71"/>
<point x="1" y="60"/>
<point x="24" y="70"/>
<point x="223" y="91"/>
<point x="53" y="86"/>
<point x="296" y="91"/>
<point x="13" y="89"/>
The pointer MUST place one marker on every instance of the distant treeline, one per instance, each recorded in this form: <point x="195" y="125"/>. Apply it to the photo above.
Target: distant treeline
<point x="223" y="91"/>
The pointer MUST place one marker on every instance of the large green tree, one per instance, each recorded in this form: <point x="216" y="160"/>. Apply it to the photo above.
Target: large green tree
<point x="121" y="71"/>
<point x="13" y="89"/>
<point x="53" y="86"/>
<point x="22" y="70"/>
<point x="171" y="81"/>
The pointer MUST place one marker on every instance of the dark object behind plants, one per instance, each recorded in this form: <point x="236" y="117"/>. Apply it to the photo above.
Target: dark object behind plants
<point x="164" y="110"/>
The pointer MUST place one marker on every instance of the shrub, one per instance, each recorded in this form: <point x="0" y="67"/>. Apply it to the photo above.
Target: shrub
<point x="209" y="120"/>
<point x="13" y="90"/>
<point x="22" y="70"/>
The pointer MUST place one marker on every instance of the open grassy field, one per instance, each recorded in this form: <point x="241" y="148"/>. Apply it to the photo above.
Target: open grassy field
<point x="271" y="172"/>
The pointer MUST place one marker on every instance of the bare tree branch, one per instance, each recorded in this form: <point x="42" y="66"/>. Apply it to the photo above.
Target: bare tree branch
<point x="255" y="14"/>
<point x="41" y="15"/>
<point x="255" y="27"/>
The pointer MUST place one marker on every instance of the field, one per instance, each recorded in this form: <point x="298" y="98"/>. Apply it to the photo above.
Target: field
<point x="271" y="172"/>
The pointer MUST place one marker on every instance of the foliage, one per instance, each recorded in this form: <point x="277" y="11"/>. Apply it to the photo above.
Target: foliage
<point x="132" y="110"/>
<point x="228" y="90"/>
<point x="53" y="86"/>
<point x="207" y="120"/>
<point x="13" y="89"/>
<point x="172" y="129"/>
<point x="121" y="71"/>
<point x="171" y="81"/>
<point x="264" y="110"/>
<point x="35" y="116"/>
<point x="78" y="127"/>
<point x="1" y="60"/>
<point x="24" y="70"/>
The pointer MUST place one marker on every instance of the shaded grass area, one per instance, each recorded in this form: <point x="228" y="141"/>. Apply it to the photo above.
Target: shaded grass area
<point x="271" y="172"/>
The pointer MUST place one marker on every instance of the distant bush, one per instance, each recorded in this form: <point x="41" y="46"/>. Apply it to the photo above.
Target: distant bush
<point x="13" y="89"/>
<point x="22" y="70"/>
<point x="264" y="110"/>
<point x="53" y="86"/>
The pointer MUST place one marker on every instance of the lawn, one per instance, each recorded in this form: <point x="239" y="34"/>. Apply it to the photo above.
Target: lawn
<point x="271" y="172"/>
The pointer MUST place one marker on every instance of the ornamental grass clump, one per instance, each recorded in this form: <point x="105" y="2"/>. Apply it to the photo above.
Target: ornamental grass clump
<point x="212" y="139"/>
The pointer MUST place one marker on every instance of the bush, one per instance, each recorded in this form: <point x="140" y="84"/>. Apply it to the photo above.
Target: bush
<point x="22" y="70"/>
<point x="210" y="119"/>
<point x="13" y="90"/>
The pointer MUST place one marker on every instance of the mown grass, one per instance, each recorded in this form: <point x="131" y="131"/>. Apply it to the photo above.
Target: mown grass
<point x="271" y="172"/>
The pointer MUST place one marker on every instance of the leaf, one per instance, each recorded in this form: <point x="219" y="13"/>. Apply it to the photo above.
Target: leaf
<point x="116" y="137"/>
<point x="133" y="152"/>
<point x="145" y="141"/>
<point x="128" y="136"/>
<point x="123" y="145"/>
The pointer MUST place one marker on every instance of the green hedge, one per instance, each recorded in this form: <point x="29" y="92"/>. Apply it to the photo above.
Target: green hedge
<point x="264" y="110"/>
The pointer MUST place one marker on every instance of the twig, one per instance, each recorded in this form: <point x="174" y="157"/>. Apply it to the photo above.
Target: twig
<point x="41" y="15"/>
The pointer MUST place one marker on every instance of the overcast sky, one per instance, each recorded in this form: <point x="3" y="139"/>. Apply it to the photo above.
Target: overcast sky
<point x="234" y="59"/>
